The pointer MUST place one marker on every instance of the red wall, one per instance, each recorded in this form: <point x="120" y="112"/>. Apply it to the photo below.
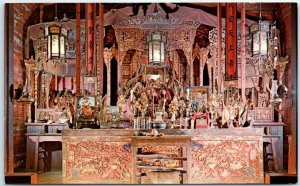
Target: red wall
<point x="285" y="15"/>
<point x="22" y="12"/>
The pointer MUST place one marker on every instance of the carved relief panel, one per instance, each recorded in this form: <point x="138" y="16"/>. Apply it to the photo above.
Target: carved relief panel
<point x="106" y="162"/>
<point x="241" y="162"/>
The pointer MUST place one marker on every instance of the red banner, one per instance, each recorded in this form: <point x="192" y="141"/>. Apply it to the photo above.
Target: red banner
<point x="231" y="72"/>
<point x="89" y="26"/>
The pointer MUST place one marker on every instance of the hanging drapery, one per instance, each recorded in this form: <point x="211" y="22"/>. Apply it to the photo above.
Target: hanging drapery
<point x="231" y="72"/>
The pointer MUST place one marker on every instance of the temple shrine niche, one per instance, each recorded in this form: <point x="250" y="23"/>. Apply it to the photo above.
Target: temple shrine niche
<point x="151" y="93"/>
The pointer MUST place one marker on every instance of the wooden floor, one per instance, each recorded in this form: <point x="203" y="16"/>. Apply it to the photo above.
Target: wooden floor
<point x="50" y="178"/>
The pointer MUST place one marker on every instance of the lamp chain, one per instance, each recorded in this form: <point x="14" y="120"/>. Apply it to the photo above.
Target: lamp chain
<point x="55" y="18"/>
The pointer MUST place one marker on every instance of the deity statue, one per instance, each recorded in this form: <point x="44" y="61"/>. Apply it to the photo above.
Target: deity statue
<point x="174" y="105"/>
<point x="86" y="109"/>
<point x="121" y="104"/>
<point x="143" y="102"/>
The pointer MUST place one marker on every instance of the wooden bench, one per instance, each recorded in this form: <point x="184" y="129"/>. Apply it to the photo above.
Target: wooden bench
<point x="24" y="177"/>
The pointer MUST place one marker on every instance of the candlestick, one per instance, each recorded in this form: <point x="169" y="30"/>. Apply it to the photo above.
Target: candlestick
<point x="186" y="123"/>
<point x="131" y="95"/>
<point x="164" y="93"/>
<point x="192" y="124"/>
<point x="153" y="102"/>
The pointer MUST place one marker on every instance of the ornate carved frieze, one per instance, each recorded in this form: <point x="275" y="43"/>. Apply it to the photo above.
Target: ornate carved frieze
<point x="132" y="33"/>
<point x="158" y="21"/>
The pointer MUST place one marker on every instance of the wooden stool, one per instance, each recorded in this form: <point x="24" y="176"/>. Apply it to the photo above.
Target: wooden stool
<point x="270" y="140"/>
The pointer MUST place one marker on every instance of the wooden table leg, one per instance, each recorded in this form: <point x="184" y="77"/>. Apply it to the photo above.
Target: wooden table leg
<point x="188" y="169"/>
<point x="134" y="167"/>
<point x="27" y="154"/>
<point x="275" y="159"/>
<point x="36" y="153"/>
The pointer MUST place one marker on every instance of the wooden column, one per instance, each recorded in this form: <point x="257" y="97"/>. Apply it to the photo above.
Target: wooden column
<point x="36" y="75"/>
<point x="78" y="56"/>
<point x="119" y="79"/>
<point x="9" y="81"/>
<point x="108" y="83"/>
<point x="41" y="12"/>
<point x="191" y="70"/>
<point x="63" y="82"/>
<point x="94" y="42"/>
<point x="107" y="58"/>
<point x="243" y="50"/>
<point x="219" y="43"/>
<point x="89" y="37"/>
<point x="201" y="67"/>
<point x="212" y="80"/>
<point x="101" y="48"/>
<point x="173" y="64"/>
<point x="179" y="67"/>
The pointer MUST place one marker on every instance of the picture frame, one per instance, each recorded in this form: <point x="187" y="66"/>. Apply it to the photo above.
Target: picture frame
<point x="263" y="114"/>
<point x="91" y="99"/>
<point x="198" y="95"/>
<point x="85" y="112"/>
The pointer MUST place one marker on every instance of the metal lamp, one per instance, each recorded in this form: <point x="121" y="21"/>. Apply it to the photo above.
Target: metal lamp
<point x="156" y="48"/>
<point x="56" y="42"/>
<point x="260" y="36"/>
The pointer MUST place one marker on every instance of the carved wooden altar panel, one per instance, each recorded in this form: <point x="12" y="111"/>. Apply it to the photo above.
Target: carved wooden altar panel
<point x="216" y="156"/>
<point x="97" y="160"/>
<point x="226" y="160"/>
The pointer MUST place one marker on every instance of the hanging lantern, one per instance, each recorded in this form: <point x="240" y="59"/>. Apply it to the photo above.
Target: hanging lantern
<point x="260" y="38"/>
<point x="56" y="42"/>
<point x="156" y="48"/>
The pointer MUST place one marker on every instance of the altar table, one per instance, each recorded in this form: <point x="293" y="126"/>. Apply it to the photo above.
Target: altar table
<point x="216" y="156"/>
